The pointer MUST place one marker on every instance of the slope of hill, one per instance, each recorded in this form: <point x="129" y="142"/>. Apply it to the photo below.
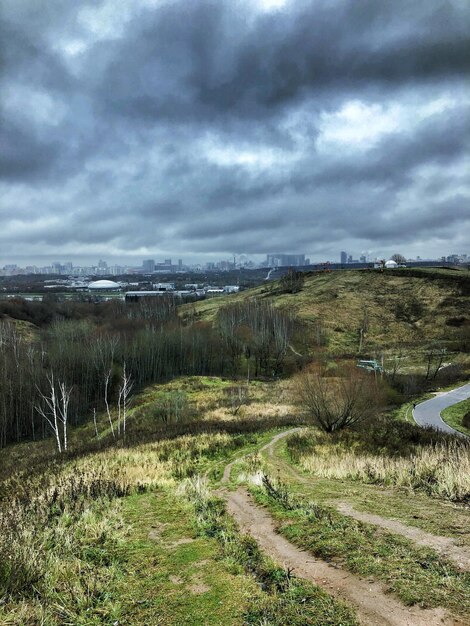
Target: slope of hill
<point x="137" y="532"/>
<point x="402" y="307"/>
<point x="145" y="524"/>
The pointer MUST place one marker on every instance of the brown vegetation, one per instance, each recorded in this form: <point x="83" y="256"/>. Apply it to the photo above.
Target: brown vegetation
<point x="335" y="400"/>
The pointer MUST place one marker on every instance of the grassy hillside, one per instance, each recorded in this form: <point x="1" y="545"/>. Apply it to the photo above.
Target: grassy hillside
<point x="402" y="307"/>
<point x="135" y="531"/>
<point x="25" y="329"/>
<point x="147" y="527"/>
<point x="110" y="533"/>
<point x="458" y="416"/>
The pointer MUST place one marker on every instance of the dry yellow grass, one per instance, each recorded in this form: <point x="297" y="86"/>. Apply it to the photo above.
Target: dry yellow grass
<point x="442" y="470"/>
<point x="401" y="309"/>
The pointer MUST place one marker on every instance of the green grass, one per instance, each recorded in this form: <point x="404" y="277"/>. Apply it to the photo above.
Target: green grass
<point x="58" y="547"/>
<point x="160" y="555"/>
<point x="284" y="599"/>
<point x="454" y="414"/>
<point x="174" y="576"/>
<point x="415" y="575"/>
<point x="144" y="558"/>
<point x="206" y="404"/>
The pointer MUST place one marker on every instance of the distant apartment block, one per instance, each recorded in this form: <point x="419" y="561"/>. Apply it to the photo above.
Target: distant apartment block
<point x="285" y="260"/>
<point x="148" y="265"/>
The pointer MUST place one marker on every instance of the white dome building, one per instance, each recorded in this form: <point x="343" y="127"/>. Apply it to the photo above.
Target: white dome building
<point x="391" y="264"/>
<point x="104" y="285"/>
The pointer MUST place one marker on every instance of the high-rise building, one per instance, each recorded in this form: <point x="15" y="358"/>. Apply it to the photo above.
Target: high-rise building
<point x="285" y="260"/>
<point x="344" y="257"/>
<point x="148" y="265"/>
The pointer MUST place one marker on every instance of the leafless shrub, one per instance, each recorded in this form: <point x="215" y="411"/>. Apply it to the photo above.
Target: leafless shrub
<point x="236" y="396"/>
<point x="334" y="402"/>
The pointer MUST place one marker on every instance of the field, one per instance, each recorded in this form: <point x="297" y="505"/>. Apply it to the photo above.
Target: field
<point x="114" y="513"/>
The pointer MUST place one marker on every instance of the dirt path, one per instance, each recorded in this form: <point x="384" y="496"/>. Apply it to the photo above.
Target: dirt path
<point x="444" y="546"/>
<point x="269" y="446"/>
<point x="373" y="605"/>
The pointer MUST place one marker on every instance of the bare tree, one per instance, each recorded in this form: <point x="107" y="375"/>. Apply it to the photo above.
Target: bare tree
<point x="333" y="402"/>
<point x="395" y="362"/>
<point x="123" y="401"/>
<point x="236" y="396"/>
<point x="107" y="376"/>
<point x="105" y="350"/>
<point x="256" y="329"/>
<point x="398" y="258"/>
<point x="292" y="282"/>
<point x="95" y="424"/>
<point x="55" y="409"/>
<point x="435" y="356"/>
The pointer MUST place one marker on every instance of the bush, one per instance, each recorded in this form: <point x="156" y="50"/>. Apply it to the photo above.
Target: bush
<point x="172" y="407"/>
<point x="335" y="402"/>
<point x="292" y="282"/>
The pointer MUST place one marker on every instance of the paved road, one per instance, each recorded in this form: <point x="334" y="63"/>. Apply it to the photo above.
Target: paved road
<point x="428" y="413"/>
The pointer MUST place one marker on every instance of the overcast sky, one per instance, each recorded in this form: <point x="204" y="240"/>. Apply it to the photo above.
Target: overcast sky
<point x="202" y="129"/>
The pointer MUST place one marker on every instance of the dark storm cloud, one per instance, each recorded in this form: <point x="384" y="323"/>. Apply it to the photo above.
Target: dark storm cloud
<point x="412" y="225"/>
<point x="199" y="60"/>
<point x="214" y="126"/>
<point x="23" y="154"/>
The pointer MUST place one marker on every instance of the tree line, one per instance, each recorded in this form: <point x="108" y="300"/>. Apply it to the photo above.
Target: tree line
<point x="85" y="358"/>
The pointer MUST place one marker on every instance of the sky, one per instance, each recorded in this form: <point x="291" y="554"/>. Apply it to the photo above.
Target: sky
<point x="200" y="129"/>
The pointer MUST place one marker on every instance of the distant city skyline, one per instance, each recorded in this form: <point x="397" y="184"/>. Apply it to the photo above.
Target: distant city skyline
<point x="315" y="257"/>
<point x="111" y="264"/>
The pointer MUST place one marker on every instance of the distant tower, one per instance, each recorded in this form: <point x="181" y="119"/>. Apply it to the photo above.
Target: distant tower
<point x="148" y="266"/>
<point x="344" y="257"/>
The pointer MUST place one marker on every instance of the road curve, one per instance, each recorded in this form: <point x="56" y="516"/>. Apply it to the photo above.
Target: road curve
<point x="428" y="413"/>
